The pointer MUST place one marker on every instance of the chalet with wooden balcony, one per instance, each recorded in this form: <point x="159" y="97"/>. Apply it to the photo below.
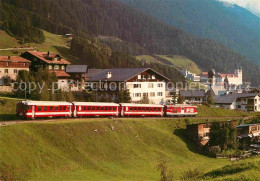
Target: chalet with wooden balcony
<point x="139" y="81"/>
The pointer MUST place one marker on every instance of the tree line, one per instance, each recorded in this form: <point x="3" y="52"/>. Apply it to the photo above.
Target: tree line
<point x="114" y="19"/>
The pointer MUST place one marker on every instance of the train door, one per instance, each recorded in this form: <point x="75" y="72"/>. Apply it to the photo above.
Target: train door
<point x="33" y="111"/>
<point x="182" y="110"/>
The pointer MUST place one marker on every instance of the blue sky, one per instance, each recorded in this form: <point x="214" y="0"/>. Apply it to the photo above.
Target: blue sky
<point x="251" y="5"/>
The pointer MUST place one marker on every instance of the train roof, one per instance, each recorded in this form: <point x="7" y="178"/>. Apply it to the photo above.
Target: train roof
<point x="46" y="103"/>
<point x="95" y="104"/>
<point x="142" y="105"/>
<point x="182" y="105"/>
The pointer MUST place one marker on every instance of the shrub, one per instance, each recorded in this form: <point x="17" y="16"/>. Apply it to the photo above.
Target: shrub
<point x="191" y="174"/>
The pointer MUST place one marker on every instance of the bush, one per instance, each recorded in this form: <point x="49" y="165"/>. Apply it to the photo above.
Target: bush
<point x="191" y="174"/>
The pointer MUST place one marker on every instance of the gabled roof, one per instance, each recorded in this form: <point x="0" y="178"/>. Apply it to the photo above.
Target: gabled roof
<point x="192" y="93"/>
<point x="60" y="73"/>
<point x="77" y="69"/>
<point x="229" y="99"/>
<point x="13" y="59"/>
<point x="48" y="57"/>
<point x="118" y="74"/>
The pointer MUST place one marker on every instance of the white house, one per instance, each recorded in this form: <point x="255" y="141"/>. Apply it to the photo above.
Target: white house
<point x="239" y="101"/>
<point x="10" y="66"/>
<point x="191" y="76"/>
<point x="139" y="81"/>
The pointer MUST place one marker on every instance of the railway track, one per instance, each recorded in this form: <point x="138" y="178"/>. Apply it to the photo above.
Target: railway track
<point x="8" y="123"/>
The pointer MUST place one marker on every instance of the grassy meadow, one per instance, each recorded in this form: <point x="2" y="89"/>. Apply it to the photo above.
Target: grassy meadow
<point x="180" y="62"/>
<point x="106" y="149"/>
<point x="53" y="43"/>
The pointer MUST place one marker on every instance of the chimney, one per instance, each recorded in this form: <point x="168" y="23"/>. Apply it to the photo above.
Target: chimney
<point x="9" y="58"/>
<point x="109" y="75"/>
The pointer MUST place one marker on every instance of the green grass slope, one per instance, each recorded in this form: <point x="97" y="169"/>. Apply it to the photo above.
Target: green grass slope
<point x="205" y="111"/>
<point x="243" y="170"/>
<point x="147" y="59"/>
<point x="91" y="150"/>
<point x="53" y="43"/>
<point x="182" y="63"/>
<point x="179" y="62"/>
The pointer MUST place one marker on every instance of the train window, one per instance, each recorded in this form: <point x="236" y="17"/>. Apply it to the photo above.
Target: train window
<point x="93" y="108"/>
<point x="56" y="108"/>
<point x="182" y="108"/>
<point x="101" y="108"/>
<point x="139" y="109"/>
<point x="64" y="108"/>
<point x="143" y="109"/>
<point x="130" y="109"/>
<point x="147" y="109"/>
<point x="50" y="108"/>
<point x="28" y="108"/>
<point x="135" y="108"/>
<point x="152" y="109"/>
<point x="84" y="108"/>
<point x="89" y="108"/>
<point x="105" y="108"/>
<point x="45" y="108"/>
<point x="60" y="108"/>
<point x="114" y="108"/>
<point x="39" y="108"/>
<point x="98" y="108"/>
<point x="110" y="108"/>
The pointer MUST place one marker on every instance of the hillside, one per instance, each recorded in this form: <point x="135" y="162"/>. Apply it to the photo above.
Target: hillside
<point x="114" y="19"/>
<point x="239" y="31"/>
<point x="90" y="150"/>
<point x="74" y="151"/>
<point x="53" y="42"/>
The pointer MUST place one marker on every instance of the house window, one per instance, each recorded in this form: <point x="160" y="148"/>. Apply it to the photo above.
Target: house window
<point x="7" y="64"/>
<point x="153" y="76"/>
<point x="56" y="67"/>
<point x="160" y="85"/>
<point x="145" y="94"/>
<point x="139" y="77"/>
<point x="62" y="67"/>
<point x="150" y="85"/>
<point x="6" y="71"/>
<point x="137" y="85"/>
<point x="50" y="67"/>
<point x="152" y="94"/>
<point x="159" y="94"/>
<point x="15" y="71"/>
<point x="24" y="64"/>
<point x="138" y="94"/>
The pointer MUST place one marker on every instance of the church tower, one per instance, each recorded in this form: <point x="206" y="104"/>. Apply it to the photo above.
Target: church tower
<point x="239" y="74"/>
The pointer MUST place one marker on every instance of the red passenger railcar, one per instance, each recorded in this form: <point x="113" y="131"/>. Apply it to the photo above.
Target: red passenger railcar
<point x="43" y="109"/>
<point x="141" y="110"/>
<point x="81" y="109"/>
<point x="181" y="110"/>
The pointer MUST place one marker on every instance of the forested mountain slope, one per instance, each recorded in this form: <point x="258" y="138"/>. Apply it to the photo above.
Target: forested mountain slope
<point x="112" y="18"/>
<point x="231" y="25"/>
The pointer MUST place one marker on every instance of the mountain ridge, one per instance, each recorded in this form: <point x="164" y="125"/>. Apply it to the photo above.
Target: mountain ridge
<point x="234" y="27"/>
<point x="112" y="18"/>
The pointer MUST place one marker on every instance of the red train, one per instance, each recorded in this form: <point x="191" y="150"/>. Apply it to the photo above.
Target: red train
<point x="48" y="109"/>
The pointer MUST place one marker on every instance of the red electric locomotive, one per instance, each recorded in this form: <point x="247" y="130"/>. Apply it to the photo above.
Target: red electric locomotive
<point x="181" y="110"/>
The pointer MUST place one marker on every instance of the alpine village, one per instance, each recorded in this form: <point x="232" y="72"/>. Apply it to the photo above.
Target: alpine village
<point x="129" y="90"/>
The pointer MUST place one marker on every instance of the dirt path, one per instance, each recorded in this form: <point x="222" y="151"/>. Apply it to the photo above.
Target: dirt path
<point x="8" y="123"/>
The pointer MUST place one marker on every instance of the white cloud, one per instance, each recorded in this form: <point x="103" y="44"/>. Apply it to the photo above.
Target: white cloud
<point x="252" y="5"/>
